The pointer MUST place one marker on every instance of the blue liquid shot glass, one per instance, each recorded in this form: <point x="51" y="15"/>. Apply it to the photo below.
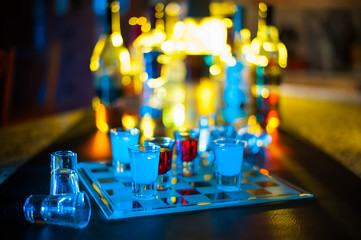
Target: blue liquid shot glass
<point x="64" y="177"/>
<point x="144" y="163"/>
<point x="121" y="139"/>
<point x="70" y="210"/>
<point x="229" y="159"/>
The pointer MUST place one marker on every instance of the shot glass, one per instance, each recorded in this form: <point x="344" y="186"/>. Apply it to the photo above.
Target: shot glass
<point x="71" y="210"/>
<point x="144" y="162"/>
<point x="121" y="139"/>
<point x="186" y="143"/>
<point x="229" y="158"/>
<point x="165" y="160"/>
<point x="64" y="178"/>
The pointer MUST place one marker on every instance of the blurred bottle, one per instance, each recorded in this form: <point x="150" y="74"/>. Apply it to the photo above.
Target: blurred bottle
<point x="174" y="68"/>
<point x="150" y="56"/>
<point x="111" y="66"/>
<point x="205" y="39"/>
<point x="269" y="58"/>
<point x="236" y="86"/>
<point x="254" y="139"/>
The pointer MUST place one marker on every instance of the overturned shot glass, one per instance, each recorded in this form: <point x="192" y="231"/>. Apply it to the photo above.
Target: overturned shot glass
<point x="71" y="210"/>
<point x="64" y="177"/>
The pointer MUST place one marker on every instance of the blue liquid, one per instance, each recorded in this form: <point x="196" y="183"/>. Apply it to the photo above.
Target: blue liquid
<point x="144" y="168"/>
<point x="229" y="160"/>
<point x="120" y="146"/>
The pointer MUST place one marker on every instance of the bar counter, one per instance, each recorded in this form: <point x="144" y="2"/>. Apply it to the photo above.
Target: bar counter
<point x="333" y="212"/>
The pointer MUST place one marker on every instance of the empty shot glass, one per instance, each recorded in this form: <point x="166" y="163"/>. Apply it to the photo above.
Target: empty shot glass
<point x="121" y="139"/>
<point x="144" y="162"/>
<point x="71" y="210"/>
<point x="186" y="143"/>
<point x="229" y="159"/>
<point x="165" y="160"/>
<point x="64" y="178"/>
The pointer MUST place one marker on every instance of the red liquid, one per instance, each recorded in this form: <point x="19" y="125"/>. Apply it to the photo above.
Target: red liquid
<point x="165" y="160"/>
<point x="188" y="148"/>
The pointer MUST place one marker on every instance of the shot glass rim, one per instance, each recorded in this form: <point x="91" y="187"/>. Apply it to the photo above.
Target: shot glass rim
<point x="135" y="148"/>
<point x="62" y="153"/>
<point x="170" y="141"/>
<point x="122" y="130"/>
<point x="220" y="142"/>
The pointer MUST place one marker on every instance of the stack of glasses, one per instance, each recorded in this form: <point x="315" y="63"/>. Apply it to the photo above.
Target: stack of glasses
<point x="66" y="205"/>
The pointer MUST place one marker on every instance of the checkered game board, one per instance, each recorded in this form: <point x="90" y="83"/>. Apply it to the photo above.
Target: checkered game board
<point x="198" y="192"/>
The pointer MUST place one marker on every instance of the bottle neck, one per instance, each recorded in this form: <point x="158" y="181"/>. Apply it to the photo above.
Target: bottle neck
<point x="262" y="15"/>
<point x="269" y="16"/>
<point x="238" y="20"/>
<point x="151" y="16"/>
<point x="198" y="8"/>
<point x="156" y="16"/>
<point x="112" y="20"/>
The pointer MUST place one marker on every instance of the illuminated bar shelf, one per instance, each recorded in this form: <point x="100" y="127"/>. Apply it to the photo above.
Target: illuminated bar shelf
<point x="198" y="192"/>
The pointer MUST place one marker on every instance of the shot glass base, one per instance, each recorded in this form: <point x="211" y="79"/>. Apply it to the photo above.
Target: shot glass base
<point x="144" y="191"/>
<point x="228" y="184"/>
<point x="121" y="169"/>
<point x="163" y="182"/>
<point x="187" y="169"/>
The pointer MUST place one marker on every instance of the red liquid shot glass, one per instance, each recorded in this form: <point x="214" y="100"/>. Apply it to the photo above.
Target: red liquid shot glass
<point x="165" y="160"/>
<point x="187" y="151"/>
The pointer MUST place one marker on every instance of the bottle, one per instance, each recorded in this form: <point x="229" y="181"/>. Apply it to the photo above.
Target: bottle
<point x="148" y="46"/>
<point x="269" y="58"/>
<point x="236" y="86"/>
<point x="111" y="66"/>
<point x="175" y="68"/>
<point x="205" y="39"/>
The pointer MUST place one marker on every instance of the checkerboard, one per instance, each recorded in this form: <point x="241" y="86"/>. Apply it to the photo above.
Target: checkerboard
<point x="198" y="192"/>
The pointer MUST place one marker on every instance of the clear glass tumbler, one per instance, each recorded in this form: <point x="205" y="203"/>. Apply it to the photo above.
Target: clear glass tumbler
<point x="229" y="159"/>
<point x="121" y="139"/>
<point x="64" y="177"/>
<point x="71" y="210"/>
<point x="144" y="162"/>
<point x="165" y="160"/>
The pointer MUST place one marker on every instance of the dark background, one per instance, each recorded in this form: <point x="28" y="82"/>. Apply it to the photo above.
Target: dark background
<point x="53" y="42"/>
